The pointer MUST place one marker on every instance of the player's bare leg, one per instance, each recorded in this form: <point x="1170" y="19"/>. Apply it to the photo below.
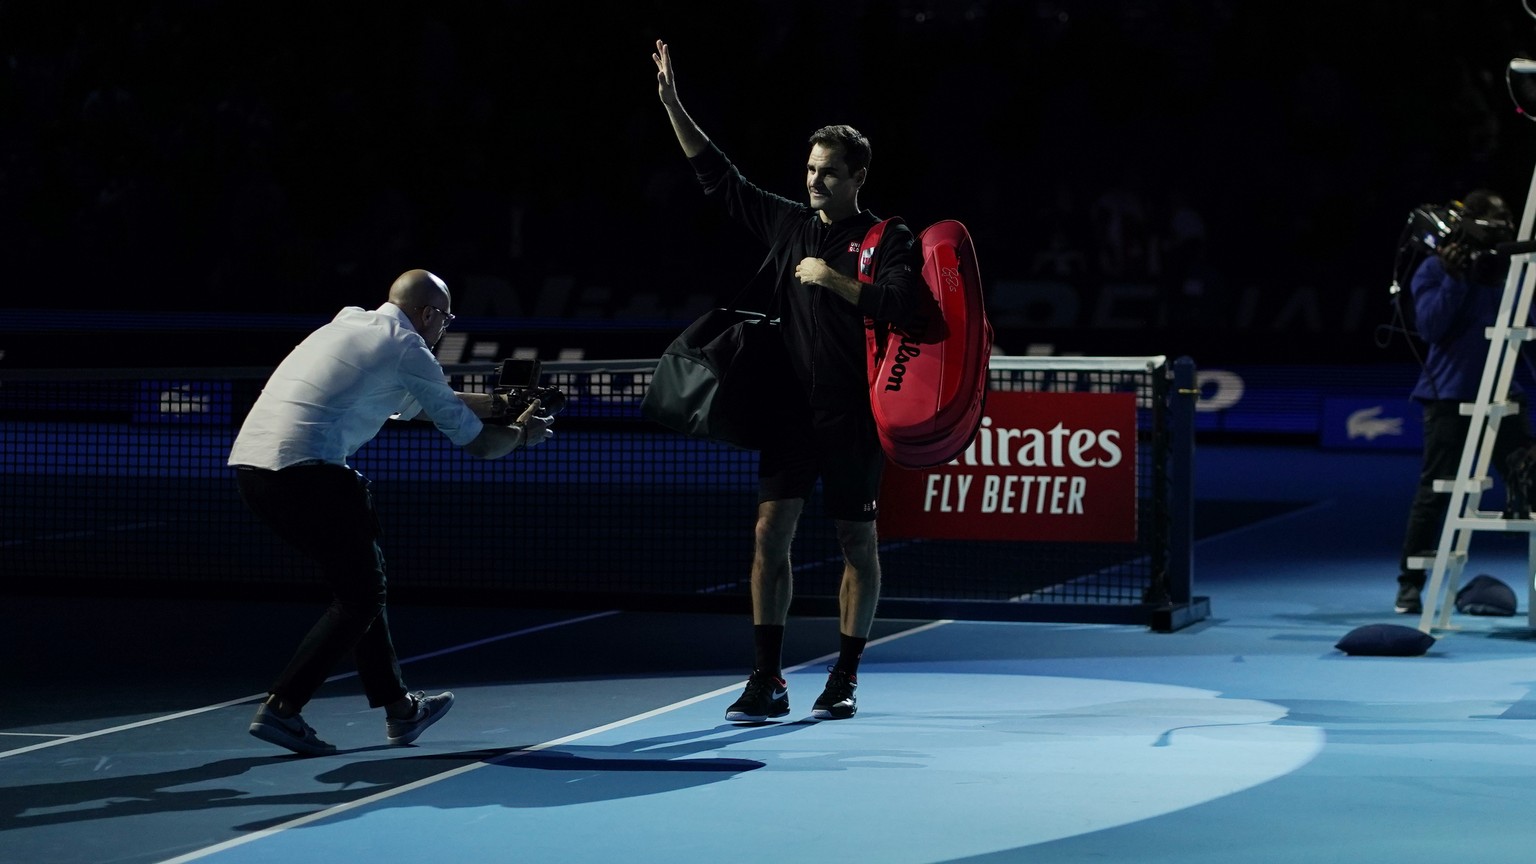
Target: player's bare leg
<point x="857" y="598"/>
<point x="767" y="695"/>
<point x="860" y="591"/>
<point x="772" y="583"/>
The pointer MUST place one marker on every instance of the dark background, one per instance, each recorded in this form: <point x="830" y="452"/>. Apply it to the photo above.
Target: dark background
<point x="1252" y="162"/>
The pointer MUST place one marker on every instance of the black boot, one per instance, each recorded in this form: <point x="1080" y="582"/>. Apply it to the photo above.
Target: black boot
<point x="1409" y="591"/>
<point x="1519" y="478"/>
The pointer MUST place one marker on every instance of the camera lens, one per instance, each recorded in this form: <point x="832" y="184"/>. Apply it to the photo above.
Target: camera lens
<point x="551" y="399"/>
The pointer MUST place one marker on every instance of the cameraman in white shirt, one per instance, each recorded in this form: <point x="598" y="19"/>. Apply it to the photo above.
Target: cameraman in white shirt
<point x="330" y="396"/>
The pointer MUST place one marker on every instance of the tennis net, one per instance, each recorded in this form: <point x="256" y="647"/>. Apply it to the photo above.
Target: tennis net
<point x="115" y="480"/>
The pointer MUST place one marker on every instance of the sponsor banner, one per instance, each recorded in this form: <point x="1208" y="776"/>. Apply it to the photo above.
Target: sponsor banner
<point x="1373" y="424"/>
<point x="1044" y="466"/>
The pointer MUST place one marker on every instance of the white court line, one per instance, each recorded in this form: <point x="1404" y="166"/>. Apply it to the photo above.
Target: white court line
<point x="69" y="739"/>
<point x="507" y="757"/>
<point x="32" y="735"/>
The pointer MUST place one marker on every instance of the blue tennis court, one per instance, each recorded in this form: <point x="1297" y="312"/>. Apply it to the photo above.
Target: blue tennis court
<point x="598" y="735"/>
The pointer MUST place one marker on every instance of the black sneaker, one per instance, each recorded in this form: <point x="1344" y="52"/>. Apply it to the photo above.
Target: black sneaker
<point x="290" y="732"/>
<point x="1408" y="602"/>
<point x="837" y="701"/>
<point x="429" y="710"/>
<point x="766" y="696"/>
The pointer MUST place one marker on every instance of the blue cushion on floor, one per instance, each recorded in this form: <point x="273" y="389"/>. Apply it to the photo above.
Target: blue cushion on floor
<point x="1385" y="640"/>
<point x="1485" y="595"/>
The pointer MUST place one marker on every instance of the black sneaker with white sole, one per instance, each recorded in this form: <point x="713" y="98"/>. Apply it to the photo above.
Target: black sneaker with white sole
<point x="766" y="697"/>
<point x="837" y="701"/>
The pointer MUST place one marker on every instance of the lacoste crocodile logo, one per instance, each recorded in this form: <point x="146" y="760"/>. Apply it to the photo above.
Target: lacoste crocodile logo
<point x="1368" y="423"/>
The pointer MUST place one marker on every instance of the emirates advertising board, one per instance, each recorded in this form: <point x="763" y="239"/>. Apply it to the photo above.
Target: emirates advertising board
<point x="1043" y="466"/>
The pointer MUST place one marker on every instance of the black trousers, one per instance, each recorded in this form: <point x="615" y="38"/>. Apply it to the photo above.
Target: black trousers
<point x="326" y="512"/>
<point x="1445" y="434"/>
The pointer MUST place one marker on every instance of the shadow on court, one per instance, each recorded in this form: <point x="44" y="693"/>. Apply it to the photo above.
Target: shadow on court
<point x="521" y="778"/>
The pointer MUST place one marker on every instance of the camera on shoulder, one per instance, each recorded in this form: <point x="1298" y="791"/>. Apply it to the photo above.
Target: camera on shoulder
<point x="1474" y="235"/>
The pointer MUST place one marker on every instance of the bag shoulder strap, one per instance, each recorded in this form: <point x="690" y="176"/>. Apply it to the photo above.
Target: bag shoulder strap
<point x="876" y="334"/>
<point x="869" y="249"/>
<point x="773" y="254"/>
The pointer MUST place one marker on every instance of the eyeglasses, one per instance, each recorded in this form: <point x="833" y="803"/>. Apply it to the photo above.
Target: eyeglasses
<point x="446" y="316"/>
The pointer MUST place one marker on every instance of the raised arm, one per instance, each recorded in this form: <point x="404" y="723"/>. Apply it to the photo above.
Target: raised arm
<point x="689" y="135"/>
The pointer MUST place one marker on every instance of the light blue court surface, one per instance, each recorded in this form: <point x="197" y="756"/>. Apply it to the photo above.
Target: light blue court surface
<point x="584" y="736"/>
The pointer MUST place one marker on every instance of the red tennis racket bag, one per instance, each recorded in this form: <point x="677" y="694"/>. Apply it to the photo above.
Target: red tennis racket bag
<point x="928" y="389"/>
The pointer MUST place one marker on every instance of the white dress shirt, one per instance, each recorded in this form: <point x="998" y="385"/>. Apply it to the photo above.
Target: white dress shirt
<point x="333" y="392"/>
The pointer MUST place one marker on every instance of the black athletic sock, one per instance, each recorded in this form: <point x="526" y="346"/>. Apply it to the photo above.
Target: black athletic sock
<point x="768" y="645"/>
<point x="851" y="648"/>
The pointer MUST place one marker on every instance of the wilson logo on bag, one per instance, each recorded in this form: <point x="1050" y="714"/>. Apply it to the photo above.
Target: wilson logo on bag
<point x="928" y="389"/>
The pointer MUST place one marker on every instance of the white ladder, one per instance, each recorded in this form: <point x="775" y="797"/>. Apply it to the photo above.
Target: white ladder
<point x="1464" y="517"/>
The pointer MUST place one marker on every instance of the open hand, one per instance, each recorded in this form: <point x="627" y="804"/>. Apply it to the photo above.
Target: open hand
<point x="666" y="79"/>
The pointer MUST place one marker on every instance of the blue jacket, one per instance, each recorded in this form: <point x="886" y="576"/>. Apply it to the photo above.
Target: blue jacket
<point x="1451" y="315"/>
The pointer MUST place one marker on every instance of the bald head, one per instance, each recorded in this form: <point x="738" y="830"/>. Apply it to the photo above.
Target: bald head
<point x="419" y="288"/>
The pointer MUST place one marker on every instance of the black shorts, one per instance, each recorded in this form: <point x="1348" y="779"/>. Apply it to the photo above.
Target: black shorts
<point x="838" y="446"/>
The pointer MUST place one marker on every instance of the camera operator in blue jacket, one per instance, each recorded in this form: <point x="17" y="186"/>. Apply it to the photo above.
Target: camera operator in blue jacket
<point x="1456" y="296"/>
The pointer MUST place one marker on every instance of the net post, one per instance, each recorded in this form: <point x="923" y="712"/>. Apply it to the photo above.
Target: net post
<point x="1183" y="608"/>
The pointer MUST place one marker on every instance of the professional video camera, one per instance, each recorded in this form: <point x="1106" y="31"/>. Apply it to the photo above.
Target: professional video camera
<point x="1429" y="230"/>
<point x="1432" y="227"/>
<point x="517" y="385"/>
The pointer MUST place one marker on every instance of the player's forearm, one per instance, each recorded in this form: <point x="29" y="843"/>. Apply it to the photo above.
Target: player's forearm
<point x="845" y="287"/>
<point x="689" y="135"/>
